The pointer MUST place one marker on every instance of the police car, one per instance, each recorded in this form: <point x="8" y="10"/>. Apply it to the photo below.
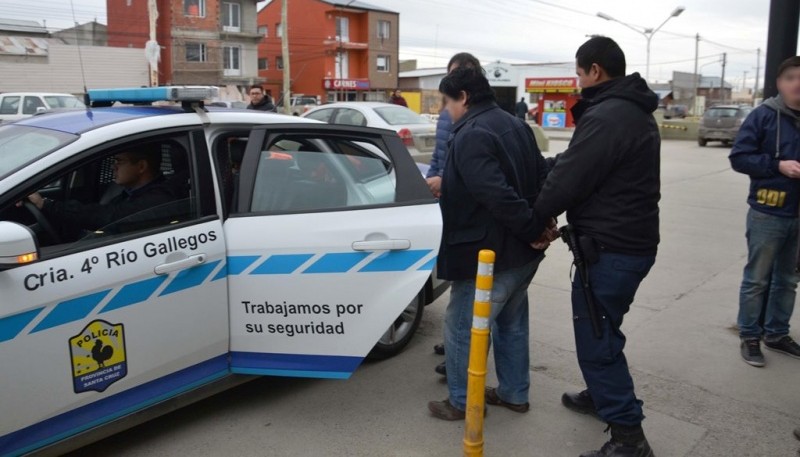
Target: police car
<point x="258" y="244"/>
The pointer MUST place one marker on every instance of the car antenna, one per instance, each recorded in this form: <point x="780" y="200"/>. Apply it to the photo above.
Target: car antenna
<point x="86" y="100"/>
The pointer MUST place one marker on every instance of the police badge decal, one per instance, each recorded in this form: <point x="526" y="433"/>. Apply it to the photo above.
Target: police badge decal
<point x="98" y="356"/>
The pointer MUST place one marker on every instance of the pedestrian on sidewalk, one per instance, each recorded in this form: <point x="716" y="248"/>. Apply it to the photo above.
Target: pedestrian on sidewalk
<point x="766" y="149"/>
<point x="398" y="99"/>
<point x="608" y="182"/>
<point x="493" y="172"/>
<point x="521" y="109"/>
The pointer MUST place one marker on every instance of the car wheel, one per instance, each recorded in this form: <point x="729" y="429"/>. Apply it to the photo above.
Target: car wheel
<point x="702" y="141"/>
<point x="401" y="331"/>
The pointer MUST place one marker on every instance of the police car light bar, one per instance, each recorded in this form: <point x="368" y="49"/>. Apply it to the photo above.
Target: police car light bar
<point x="141" y="95"/>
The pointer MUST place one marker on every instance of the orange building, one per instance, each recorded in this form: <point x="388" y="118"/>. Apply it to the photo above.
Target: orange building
<point x="210" y="42"/>
<point x="339" y="50"/>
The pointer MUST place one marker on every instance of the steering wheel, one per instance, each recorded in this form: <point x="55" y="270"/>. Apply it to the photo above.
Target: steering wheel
<point x="41" y="219"/>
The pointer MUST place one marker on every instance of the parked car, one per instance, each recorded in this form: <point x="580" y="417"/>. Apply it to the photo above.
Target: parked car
<point x="302" y="103"/>
<point x="227" y="104"/>
<point x="286" y="247"/>
<point x="19" y="105"/>
<point x="676" y="111"/>
<point x="417" y="132"/>
<point x="721" y="123"/>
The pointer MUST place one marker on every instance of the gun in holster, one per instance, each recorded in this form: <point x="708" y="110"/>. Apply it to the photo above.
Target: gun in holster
<point x="584" y="253"/>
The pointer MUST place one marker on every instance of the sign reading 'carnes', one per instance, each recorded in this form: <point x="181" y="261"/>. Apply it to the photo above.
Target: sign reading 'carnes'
<point x="347" y="84"/>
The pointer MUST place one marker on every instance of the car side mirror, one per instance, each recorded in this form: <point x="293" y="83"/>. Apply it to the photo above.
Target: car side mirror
<point x="17" y="245"/>
<point x="41" y="110"/>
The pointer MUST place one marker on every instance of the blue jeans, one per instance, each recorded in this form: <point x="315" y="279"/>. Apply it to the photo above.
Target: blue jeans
<point x="614" y="280"/>
<point x="769" y="277"/>
<point x="509" y="327"/>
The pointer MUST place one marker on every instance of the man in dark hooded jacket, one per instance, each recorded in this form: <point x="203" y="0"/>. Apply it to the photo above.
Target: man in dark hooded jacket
<point x="608" y="182"/>
<point x="767" y="149"/>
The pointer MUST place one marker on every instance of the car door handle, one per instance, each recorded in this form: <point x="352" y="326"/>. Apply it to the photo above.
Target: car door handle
<point x="382" y="245"/>
<point x="191" y="261"/>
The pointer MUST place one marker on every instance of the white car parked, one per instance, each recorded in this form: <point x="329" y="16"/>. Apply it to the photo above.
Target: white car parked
<point x="19" y="105"/>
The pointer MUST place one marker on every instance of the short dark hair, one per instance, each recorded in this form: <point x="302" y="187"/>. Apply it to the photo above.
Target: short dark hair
<point x="150" y="153"/>
<point x="604" y="52"/>
<point x="470" y="80"/>
<point x="791" y="62"/>
<point x="464" y="59"/>
<point x="256" y="86"/>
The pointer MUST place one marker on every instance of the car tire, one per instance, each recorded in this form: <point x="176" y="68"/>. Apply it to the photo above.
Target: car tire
<point x="399" y="334"/>
<point x="702" y="141"/>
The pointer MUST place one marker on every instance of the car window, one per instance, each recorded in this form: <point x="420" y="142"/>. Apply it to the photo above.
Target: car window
<point x="323" y="115"/>
<point x="63" y="101"/>
<point x="9" y="105"/>
<point x="721" y="112"/>
<point x="306" y="174"/>
<point x="347" y="116"/>
<point x="399" y="115"/>
<point x="31" y="103"/>
<point x="21" y="145"/>
<point x="142" y="185"/>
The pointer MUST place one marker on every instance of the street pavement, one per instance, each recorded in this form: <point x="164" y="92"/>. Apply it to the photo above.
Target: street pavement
<point x="700" y="398"/>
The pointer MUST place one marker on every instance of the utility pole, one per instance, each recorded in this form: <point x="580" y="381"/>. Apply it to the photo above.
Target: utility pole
<point x="722" y="81"/>
<point x="696" y="76"/>
<point x="287" y="74"/>
<point x="744" y="81"/>
<point x="784" y="23"/>
<point x="758" y="73"/>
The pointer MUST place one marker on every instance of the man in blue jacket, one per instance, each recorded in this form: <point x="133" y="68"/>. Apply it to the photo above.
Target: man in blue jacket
<point x="767" y="149"/>
<point x="492" y="175"/>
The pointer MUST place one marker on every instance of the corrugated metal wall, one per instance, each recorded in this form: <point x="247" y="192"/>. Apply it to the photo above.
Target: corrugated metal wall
<point x="60" y="71"/>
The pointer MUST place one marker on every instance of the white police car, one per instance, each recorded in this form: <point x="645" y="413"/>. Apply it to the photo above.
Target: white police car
<point x="164" y="249"/>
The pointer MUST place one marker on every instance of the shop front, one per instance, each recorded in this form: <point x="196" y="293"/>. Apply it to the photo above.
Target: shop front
<point x="352" y="90"/>
<point x="556" y="97"/>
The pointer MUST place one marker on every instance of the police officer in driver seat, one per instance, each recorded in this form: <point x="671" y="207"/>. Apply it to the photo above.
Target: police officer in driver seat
<point x="137" y="171"/>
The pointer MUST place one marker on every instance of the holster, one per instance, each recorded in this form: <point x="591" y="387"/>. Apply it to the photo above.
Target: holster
<point x="590" y="249"/>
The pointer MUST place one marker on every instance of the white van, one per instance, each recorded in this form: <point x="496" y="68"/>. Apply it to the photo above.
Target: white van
<point x="19" y="105"/>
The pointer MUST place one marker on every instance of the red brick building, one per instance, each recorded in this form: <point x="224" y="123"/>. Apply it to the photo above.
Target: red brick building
<point x="339" y="50"/>
<point x="202" y="41"/>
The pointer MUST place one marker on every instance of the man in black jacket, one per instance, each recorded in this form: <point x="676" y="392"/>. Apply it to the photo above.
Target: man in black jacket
<point x="608" y="183"/>
<point x="260" y="101"/>
<point x="492" y="174"/>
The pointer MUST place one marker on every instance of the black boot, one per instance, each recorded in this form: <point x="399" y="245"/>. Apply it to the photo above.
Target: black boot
<point x="626" y="441"/>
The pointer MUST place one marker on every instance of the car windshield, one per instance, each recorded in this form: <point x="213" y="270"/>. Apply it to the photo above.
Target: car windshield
<point x="722" y="112"/>
<point x="63" y="101"/>
<point x="398" y="115"/>
<point x="21" y="145"/>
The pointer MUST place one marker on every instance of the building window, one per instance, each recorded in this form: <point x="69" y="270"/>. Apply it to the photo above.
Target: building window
<point x="263" y="64"/>
<point x="263" y="31"/>
<point x="384" y="30"/>
<point x="231" y="17"/>
<point x="195" y="52"/>
<point x="194" y="8"/>
<point x="279" y="30"/>
<point x="279" y="63"/>
<point x="231" y="60"/>
<point x="383" y="64"/>
<point x="343" y="28"/>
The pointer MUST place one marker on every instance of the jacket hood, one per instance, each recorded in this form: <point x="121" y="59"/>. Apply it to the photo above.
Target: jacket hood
<point x="779" y="105"/>
<point x="632" y="88"/>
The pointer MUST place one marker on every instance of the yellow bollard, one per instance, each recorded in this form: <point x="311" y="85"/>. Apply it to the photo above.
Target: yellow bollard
<point x="478" y="349"/>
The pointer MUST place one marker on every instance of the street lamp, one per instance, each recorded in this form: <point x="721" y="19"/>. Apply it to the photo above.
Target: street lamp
<point x="648" y="32"/>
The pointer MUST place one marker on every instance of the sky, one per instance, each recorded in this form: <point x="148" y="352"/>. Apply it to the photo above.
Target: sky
<point x="521" y="31"/>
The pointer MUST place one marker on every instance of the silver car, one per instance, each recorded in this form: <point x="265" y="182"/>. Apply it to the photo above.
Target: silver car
<point x="418" y="133"/>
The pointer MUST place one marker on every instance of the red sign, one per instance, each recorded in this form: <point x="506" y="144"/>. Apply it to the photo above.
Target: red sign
<point x="346" y="84"/>
<point x="551" y="85"/>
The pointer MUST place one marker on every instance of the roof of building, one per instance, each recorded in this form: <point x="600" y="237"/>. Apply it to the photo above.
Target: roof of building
<point x="23" y="45"/>
<point x="19" y="25"/>
<point x="422" y="72"/>
<point x="358" y="4"/>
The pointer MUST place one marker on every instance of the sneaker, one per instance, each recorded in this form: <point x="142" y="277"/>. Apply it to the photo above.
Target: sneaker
<point x="580" y="402"/>
<point x="624" y="442"/>
<point x="785" y="345"/>
<point x="446" y="411"/>
<point x="491" y="398"/>
<point x="441" y="369"/>
<point x="751" y="352"/>
<point x="438" y="349"/>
